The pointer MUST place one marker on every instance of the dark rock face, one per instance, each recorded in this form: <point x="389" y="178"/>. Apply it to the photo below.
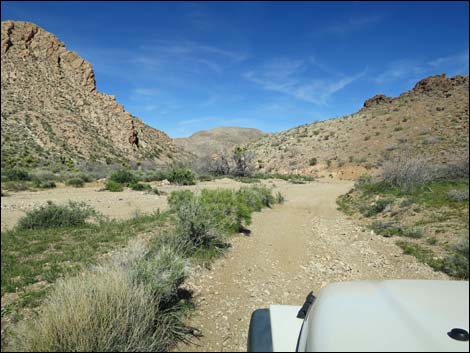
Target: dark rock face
<point x="439" y="83"/>
<point x="376" y="100"/>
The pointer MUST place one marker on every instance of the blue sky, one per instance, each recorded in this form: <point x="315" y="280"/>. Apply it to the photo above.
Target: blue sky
<point x="188" y="66"/>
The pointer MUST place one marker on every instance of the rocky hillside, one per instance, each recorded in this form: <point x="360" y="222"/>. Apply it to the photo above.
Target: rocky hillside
<point x="52" y="114"/>
<point x="430" y="120"/>
<point x="217" y="140"/>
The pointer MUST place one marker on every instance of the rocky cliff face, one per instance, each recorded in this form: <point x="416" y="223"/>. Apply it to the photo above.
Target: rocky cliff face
<point x="51" y="111"/>
<point x="430" y="120"/>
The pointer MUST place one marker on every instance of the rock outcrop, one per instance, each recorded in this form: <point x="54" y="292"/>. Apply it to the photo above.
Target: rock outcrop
<point x="377" y="99"/>
<point x="51" y="109"/>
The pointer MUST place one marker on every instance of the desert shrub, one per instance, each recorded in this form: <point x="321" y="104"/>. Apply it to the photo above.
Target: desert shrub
<point x="205" y="177"/>
<point x="408" y="173"/>
<point x="243" y="160"/>
<point x="195" y="226"/>
<point x="178" y="198"/>
<point x="362" y="181"/>
<point x="391" y="229"/>
<point x="458" y="195"/>
<point x="457" y="264"/>
<point x="227" y="211"/>
<point x="455" y="170"/>
<point x="43" y="175"/>
<point x="376" y="207"/>
<point x="53" y="215"/>
<point x="16" y="174"/>
<point x="157" y="175"/>
<point x="205" y="217"/>
<point x="256" y="197"/>
<point x="412" y="232"/>
<point x="312" y="162"/>
<point x="123" y="176"/>
<point x="140" y="186"/>
<point x="75" y="182"/>
<point x="113" y="186"/>
<point x="44" y="184"/>
<point x="212" y="166"/>
<point x="15" y="185"/>
<point x="156" y="191"/>
<point x="280" y="198"/>
<point x="182" y="176"/>
<point x="99" y="311"/>
<point x="163" y="270"/>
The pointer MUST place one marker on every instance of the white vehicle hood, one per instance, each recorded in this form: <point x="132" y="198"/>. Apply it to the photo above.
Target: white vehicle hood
<point x="397" y="315"/>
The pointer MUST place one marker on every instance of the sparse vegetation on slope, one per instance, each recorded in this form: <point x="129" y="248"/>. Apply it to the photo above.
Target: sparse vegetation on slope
<point x="385" y="128"/>
<point x="422" y="201"/>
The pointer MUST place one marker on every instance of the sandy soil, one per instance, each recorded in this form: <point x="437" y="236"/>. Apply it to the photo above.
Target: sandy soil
<point x="294" y="248"/>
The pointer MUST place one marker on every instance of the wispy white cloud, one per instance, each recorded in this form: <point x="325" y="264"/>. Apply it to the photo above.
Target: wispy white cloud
<point x="459" y="60"/>
<point x="184" y="51"/>
<point x="292" y="77"/>
<point x="415" y="69"/>
<point x="350" y="24"/>
<point x="195" y="121"/>
<point x="400" y="69"/>
<point x="149" y="92"/>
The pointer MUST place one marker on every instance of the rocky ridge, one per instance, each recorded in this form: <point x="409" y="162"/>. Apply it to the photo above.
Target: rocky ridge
<point x="51" y="111"/>
<point x="430" y="120"/>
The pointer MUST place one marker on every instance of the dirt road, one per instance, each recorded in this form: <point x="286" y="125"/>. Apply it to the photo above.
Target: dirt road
<point x="294" y="248"/>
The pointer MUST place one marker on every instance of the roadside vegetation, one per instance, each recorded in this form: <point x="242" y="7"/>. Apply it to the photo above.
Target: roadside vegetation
<point x="88" y="293"/>
<point x="422" y="204"/>
<point x="239" y="165"/>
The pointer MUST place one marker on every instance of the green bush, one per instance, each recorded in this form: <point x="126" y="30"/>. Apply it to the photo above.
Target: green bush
<point x="457" y="264"/>
<point x="44" y="184"/>
<point x="195" y="226"/>
<point x="280" y="198"/>
<point x="376" y="207"/>
<point x="216" y="212"/>
<point x="158" y="175"/>
<point x="140" y="186"/>
<point x="182" y="176"/>
<point x="363" y="180"/>
<point x="113" y="186"/>
<point x="156" y="191"/>
<point x="75" y="182"/>
<point x="15" y="185"/>
<point x="16" y="174"/>
<point x="390" y="229"/>
<point x="256" y="197"/>
<point x="123" y="177"/>
<point x="178" y="198"/>
<point x="226" y="209"/>
<point x="52" y="215"/>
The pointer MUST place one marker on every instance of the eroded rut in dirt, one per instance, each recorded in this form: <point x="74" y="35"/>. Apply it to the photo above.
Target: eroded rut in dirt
<point x="294" y="248"/>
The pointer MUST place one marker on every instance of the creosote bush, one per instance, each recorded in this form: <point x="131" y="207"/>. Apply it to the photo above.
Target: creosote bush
<point x="52" y="215"/>
<point x="76" y="182"/>
<point x="123" y="177"/>
<point x="181" y="176"/>
<point x="113" y="186"/>
<point x="140" y="186"/>
<point x="205" y="219"/>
